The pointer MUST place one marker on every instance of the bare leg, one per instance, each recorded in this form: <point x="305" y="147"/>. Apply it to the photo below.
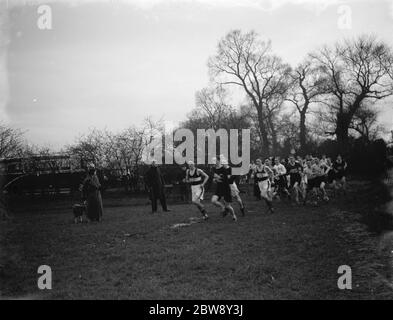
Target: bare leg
<point x="296" y="191"/>
<point x="322" y="188"/>
<point x="231" y="211"/>
<point x="240" y="202"/>
<point x="269" y="201"/>
<point x="200" y="207"/>
<point x="344" y="184"/>
<point x="218" y="203"/>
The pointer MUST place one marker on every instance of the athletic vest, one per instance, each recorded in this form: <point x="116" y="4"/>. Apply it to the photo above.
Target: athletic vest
<point x="294" y="169"/>
<point x="261" y="174"/>
<point x="340" y="167"/>
<point x="195" y="178"/>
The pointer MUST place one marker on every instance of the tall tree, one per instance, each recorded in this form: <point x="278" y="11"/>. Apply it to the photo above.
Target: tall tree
<point x="273" y="108"/>
<point x="358" y="72"/>
<point x="213" y="111"/>
<point x="308" y="84"/>
<point x="242" y="59"/>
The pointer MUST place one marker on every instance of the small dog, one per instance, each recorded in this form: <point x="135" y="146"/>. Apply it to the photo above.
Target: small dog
<point x="79" y="210"/>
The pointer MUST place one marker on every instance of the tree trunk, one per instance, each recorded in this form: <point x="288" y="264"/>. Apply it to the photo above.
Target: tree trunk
<point x="342" y="130"/>
<point x="273" y="134"/>
<point x="264" y="135"/>
<point x="274" y="142"/>
<point x="302" y="133"/>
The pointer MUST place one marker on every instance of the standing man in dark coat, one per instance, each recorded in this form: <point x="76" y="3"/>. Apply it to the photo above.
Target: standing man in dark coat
<point x="184" y="187"/>
<point x="155" y="184"/>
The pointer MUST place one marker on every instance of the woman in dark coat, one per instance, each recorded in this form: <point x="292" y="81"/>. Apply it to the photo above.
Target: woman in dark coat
<point x="92" y="195"/>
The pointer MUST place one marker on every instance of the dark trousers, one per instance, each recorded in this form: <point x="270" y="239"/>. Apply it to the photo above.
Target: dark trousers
<point x="157" y="194"/>
<point x="184" y="193"/>
<point x="257" y="191"/>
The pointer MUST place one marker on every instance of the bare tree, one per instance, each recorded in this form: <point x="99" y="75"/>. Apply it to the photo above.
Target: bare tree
<point x="212" y="104"/>
<point x="11" y="141"/>
<point x="11" y="145"/>
<point x="130" y="144"/>
<point x="307" y="87"/>
<point x="246" y="61"/>
<point x="152" y="128"/>
<point x="119" y="151"/>
<point x="273" y="109"/>
<point x="213" y="111"/>
<point x="358" y="71"/>
<point x="365" y="123"/>
<point x="91" y="147"/>
<point x="288" y="132"/>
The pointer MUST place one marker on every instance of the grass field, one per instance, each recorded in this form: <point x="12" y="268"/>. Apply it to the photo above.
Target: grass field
<point x="132" y="254"/>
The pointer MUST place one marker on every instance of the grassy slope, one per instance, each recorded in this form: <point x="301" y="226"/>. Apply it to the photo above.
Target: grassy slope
<point x="293" y="254"/>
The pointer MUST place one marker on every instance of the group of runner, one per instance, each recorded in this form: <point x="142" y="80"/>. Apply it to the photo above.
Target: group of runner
<point x="273" y="178"/>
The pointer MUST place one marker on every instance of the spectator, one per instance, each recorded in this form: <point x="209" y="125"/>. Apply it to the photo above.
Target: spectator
<point x="92" y="195"/>
<point x="155" y="184"/>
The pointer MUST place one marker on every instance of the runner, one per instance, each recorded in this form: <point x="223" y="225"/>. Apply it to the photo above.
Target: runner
<point x="198" y="179"/>
<point x="303" y="182"/>
<point x="262" y="174"/>
<point x="339" y="167"/>
<point x="256" y="191"/>
<point x="221" y="176"/>
<point x="310" y="177"/>
<point x="281" y="179"/>
<point x="294" y="170"/>
<point x="329" y="172"/>
<point x="319" y="177"/>
<point x="235" y="193"/>
<point x="272" y="175"/>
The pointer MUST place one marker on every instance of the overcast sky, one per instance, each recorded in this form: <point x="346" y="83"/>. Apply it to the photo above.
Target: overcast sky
<point x="112" y="63"/>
